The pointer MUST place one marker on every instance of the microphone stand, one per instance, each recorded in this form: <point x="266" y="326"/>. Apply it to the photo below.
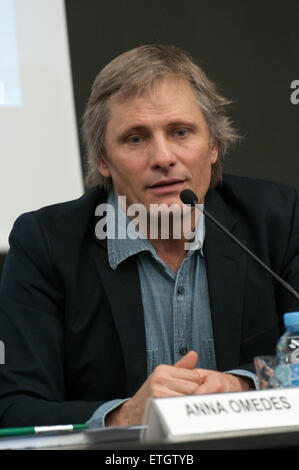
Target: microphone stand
<point x="189" y="197"/>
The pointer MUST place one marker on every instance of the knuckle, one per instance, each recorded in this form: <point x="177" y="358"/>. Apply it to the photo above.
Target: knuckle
<point x="160" y="373"/>
<point x="159" y="393"/>
<point x="158" y="370"/>
<point x="193" y="388"/>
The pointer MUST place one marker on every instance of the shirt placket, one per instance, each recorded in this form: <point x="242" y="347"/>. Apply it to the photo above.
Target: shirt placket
<point x="182" y="311"/>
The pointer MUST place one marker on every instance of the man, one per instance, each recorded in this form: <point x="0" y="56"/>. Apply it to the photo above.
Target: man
<point x="93" y="328"/>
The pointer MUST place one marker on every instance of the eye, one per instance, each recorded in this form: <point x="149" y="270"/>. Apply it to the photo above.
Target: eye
<point x="181" y="132"/>
<point x="134" y="139"/>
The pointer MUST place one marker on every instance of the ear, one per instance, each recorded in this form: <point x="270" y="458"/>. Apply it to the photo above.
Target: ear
<point x="214" y="154"/>
<point x="104" y="167"/>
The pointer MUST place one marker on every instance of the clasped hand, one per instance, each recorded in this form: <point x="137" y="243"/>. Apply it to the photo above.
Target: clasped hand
<point x="168" y="381"/>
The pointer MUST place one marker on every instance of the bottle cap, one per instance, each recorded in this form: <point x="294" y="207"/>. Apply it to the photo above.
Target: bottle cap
<point x="291" y="319"/>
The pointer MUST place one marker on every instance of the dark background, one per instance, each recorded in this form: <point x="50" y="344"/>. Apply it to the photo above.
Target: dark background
<point x="249" y="48"/>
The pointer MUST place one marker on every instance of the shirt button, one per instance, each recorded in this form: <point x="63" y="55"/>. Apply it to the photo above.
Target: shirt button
<point x="181" y="290"/>
<point x="183" y="350"/>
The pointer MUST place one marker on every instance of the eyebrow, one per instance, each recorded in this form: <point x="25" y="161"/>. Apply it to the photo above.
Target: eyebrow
<point x="186" y="123"/>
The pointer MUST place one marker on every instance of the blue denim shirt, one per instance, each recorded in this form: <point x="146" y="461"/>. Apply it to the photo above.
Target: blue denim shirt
<point x="176" y="307"/>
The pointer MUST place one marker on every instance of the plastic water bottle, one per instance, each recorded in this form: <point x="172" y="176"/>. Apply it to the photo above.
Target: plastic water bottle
<point x="287" y="351"/>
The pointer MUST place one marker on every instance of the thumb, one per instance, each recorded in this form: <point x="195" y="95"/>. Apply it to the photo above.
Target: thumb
<point x="189" y="361"/>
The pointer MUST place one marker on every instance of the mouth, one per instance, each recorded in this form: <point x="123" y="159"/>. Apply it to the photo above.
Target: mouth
<point x="167" y="186"/>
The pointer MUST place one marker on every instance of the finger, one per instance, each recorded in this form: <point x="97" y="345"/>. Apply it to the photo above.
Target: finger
<point x="188" y="361"/>
<point x="179" y="373"/>
<point x="185" y="387"/>
<point x="164" y="393"/>
<point x="203" y="374"/>
<point x="164" y="372"/>
<point x="213" y="383"/>
<point x="173" y="388"/>
<point x="204" y="389"/>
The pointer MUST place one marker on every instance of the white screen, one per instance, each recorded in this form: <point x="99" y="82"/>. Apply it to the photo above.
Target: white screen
<point x="39" y="149"/>
<point x="10" y="86"/>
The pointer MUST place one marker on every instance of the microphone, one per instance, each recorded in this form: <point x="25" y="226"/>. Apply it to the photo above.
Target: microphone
<point x="189" y="197"/>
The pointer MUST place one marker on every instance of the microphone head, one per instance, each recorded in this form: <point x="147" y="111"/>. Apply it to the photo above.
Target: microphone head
<point x="188" y="197"/>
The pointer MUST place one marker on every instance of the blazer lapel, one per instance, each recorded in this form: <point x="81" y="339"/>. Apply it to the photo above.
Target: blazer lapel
<point x="226" y="268"/>
<point x="124" y="296"/>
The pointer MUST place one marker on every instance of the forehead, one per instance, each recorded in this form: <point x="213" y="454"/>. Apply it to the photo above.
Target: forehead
<point x="166" y="99"/>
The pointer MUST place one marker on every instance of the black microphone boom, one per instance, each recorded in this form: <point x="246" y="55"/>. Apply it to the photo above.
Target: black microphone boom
<point x="189" y="197"/>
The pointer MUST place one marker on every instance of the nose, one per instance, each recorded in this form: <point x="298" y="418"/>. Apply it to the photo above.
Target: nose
<point x="161" y="154"/>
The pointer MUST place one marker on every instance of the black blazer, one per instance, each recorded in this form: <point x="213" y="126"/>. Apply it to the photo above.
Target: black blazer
<point x="73" y="328"/>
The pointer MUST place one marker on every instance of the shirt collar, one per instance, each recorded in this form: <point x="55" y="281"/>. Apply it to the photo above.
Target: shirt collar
<point x="122" y="247"/>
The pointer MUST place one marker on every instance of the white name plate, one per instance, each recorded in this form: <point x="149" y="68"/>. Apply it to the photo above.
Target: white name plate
<point x="197" y="417"/>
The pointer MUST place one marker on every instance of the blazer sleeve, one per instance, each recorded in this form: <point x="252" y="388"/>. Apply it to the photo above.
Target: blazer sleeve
<point x="32" y="390"/>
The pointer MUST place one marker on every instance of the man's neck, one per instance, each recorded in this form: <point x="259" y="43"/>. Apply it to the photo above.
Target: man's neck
<point x="173" y="249"/>
<point x="172" y="252"/>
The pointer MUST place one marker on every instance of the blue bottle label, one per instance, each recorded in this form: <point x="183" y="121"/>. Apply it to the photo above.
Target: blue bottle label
<point x="288" y="374"/>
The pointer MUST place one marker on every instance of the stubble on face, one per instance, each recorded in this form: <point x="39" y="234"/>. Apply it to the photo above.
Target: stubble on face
<point x="158" y="144"/>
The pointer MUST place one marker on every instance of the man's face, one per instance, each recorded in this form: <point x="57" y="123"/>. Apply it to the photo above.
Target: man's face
<point x="157" y="145"/>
